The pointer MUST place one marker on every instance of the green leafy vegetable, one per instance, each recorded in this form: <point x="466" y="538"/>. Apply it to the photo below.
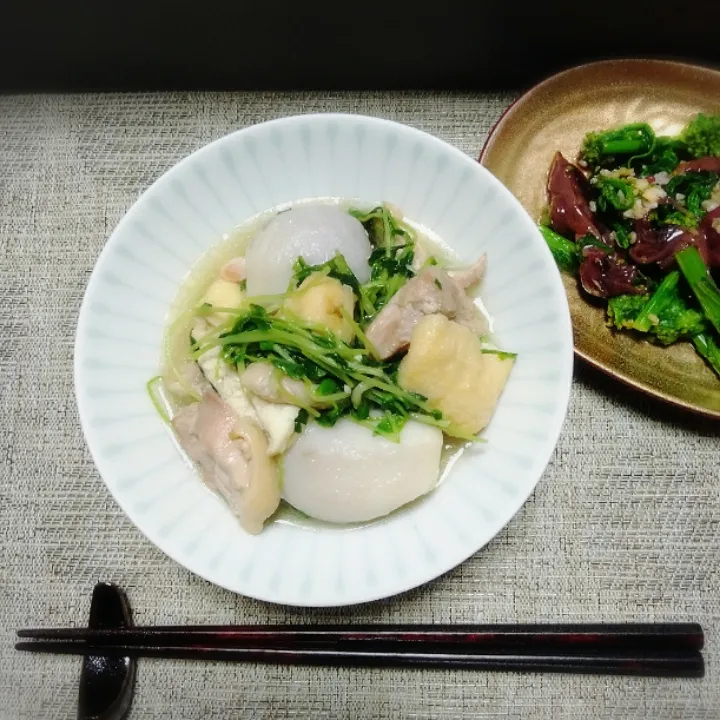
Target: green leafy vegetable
<point x="382" y="227"/>
<point x="327" y="387"/>
<point x="622" y="229"/>
<point x="682" y="304"/>
<point x="666" y="316"/>
<point x="698" y="278"/>
<point x="694" y="188"/>
<point x="603" y="148"/>
<point x="614" y="193"/>
<point x="592" y="241"/>
<point x="665" y="157"/>
<point x="348" y="380"/>
<point x="702" y="136"/>
<point x="502" y="354"/>
<point x="708" y="348"/>
<point x="623" y="309"/>
<point x="301" y="420"/>
<point x="661" y="298"/>
<point x="336" y="268"/>
<point x="390" y="261"/>
<point x="677" y="321"/>
<point x="565" y="252"/>
<point x="669" y="214"/>
<point x="390" y="268"/>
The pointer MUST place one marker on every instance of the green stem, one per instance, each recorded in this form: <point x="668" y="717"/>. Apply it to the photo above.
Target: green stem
<point x="565" y="252"/>
<point x="697" y="275"/>
<point x="653" y="307"/>
<point x="706" y="347"/>
<point x="153" y="387"/>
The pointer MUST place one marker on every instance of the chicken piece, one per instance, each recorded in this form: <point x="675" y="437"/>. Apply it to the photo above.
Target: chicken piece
<point x="432" y="291"/>
<point x="468" y="277"/>
<point x="271" y="384"/>
<point x="232" y="456"/>
<point x="189" y="383"/>
<point x="447" y="365"/>
<point x="234" y="270"/>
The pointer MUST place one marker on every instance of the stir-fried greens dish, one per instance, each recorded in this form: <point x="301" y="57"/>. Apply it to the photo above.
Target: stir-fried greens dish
<point x="637" y="219"/>
<point x="326" y="366"/>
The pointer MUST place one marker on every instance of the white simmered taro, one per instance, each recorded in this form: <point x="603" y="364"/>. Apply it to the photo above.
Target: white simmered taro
<point x="328" y="363"/>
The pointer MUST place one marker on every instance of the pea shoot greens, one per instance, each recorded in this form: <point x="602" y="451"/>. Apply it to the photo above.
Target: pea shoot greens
<point x="342" y="378"/>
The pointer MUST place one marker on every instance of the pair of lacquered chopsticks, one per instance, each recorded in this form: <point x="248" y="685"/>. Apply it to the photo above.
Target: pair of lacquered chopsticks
<point x="662" y="649"/>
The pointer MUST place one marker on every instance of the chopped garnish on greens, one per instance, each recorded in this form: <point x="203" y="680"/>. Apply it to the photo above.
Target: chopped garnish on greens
<point x="645" y="200"/>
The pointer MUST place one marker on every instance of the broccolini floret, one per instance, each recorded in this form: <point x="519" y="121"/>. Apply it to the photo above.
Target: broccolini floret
<point x="666" y="316"/>
<point x="614" y="193"/>
<point x="702" y="136"/>
<point x="678" y="321"/>
<point x="696" y="187"/>
<point x="623" y="309"/>
<point x="602" y="148"/>
<point x="669" y="214"/>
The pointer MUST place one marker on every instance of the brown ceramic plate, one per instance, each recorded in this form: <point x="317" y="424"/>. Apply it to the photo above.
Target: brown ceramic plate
<point x="555" y="115"/>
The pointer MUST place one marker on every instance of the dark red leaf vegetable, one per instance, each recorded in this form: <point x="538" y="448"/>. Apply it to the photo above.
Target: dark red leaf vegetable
<point x="604" y="275"/>
<point x="709" y="227"/>
<point x="659" y="245"/>
<point x="568" y="190"/>
<point x="703" y="164"/>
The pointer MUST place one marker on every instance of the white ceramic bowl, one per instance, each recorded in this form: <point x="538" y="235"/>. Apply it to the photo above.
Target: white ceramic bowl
<point x="118" y="347"/>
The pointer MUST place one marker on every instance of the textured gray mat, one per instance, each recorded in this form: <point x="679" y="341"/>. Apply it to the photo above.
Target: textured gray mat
<point x="625" y="524"/>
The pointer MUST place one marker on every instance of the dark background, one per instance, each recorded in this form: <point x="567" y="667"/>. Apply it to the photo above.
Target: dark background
<point x="284" y="44"/>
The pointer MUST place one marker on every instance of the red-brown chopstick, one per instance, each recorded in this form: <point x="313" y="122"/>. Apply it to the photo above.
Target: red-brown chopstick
<point x="665" y="649"/>
<point x="672" y="664"/>
<point x="565" y="638"/>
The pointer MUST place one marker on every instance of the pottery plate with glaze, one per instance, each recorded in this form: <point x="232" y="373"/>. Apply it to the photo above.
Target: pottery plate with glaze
<point x="556" y="115"/>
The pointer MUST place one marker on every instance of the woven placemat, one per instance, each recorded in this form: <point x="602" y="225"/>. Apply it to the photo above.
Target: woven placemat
<point x="625" y="524"/>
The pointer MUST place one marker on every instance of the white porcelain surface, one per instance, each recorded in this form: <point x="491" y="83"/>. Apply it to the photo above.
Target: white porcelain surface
<point x="121" y="323"/>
